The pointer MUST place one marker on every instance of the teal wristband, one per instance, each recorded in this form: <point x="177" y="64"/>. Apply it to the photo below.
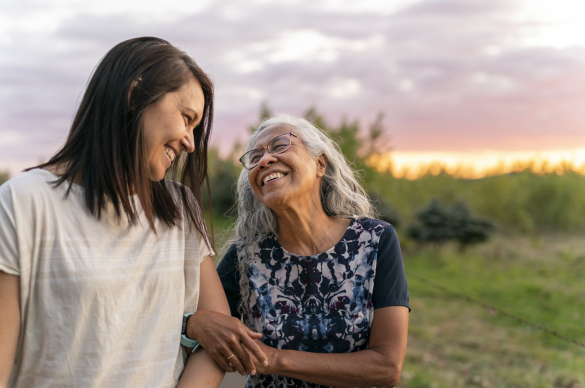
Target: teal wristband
<point x="186" y="341"/>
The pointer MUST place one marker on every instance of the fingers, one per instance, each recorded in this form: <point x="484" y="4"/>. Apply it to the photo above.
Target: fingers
<point x="221" y="336"/>
<point x="252" y="346"/>
<point x="235" y="363"/>
<point x="222" y="362"/>
<point x="253" y="334"/>
<point x="243" y="360"/>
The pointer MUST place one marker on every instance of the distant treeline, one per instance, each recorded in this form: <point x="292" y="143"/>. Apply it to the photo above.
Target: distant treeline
<point x="517" y="203"/>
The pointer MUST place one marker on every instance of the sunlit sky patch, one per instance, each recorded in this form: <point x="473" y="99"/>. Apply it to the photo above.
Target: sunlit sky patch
<point x="453" y="77"/>
<point x="473" y="165"/>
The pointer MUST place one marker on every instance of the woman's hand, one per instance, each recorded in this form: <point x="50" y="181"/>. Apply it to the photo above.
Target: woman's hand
<point x="378" y="366"/>
<point x="223" y="336"/>
<point x="272" y="356"/>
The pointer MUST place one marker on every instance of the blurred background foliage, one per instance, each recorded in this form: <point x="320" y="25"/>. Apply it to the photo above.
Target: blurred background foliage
<point x="521" y="203"/>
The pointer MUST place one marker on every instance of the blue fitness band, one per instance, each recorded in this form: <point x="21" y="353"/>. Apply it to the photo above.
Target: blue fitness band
<point x="186" y="341"/>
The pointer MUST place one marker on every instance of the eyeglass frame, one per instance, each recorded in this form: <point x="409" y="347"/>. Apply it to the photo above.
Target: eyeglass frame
<point x="264" y="149"/>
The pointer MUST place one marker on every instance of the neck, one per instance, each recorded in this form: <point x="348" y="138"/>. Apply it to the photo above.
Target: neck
<point x="309" y="231"/>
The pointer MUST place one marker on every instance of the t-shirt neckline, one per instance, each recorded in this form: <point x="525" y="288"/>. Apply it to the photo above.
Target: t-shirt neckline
<point x="330" y="250"/>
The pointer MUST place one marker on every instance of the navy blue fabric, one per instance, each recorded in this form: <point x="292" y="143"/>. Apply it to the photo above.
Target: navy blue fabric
<point x="322" y="303"/>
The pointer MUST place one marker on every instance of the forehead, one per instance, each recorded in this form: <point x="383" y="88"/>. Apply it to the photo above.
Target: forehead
<point x="190" y="95"/>
<point x="270" y="133"/>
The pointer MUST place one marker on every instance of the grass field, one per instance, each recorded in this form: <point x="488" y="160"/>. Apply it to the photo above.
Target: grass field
<point x="453" y="343"/>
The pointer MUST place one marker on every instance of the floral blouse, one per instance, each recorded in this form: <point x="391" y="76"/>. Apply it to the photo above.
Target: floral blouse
<point x="322" y="303"/>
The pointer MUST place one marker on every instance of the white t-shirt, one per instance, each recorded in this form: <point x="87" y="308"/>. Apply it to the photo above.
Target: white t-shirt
<point x="102" y="301"/>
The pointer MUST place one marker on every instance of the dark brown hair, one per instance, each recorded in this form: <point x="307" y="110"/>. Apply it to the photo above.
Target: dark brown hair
<point x="105" y="148"/>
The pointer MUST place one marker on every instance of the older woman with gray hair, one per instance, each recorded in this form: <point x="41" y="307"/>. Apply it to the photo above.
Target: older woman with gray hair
<point x="310" y="269"/>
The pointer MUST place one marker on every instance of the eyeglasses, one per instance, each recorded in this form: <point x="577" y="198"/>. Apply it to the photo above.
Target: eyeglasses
<point x="278" y="145"/>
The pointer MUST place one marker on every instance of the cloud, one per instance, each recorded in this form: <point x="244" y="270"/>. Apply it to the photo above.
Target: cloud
<point x="448" y="74"/>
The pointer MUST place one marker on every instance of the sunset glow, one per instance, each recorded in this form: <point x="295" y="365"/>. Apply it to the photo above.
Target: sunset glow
<point x="483" y="88"/>
<point x="412" y="165"/>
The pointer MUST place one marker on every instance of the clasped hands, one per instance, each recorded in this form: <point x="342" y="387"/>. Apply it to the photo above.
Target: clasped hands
<point x="232" y="345"/>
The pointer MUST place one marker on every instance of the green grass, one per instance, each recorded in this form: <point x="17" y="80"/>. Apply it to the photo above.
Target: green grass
<point x="453" y="343"/>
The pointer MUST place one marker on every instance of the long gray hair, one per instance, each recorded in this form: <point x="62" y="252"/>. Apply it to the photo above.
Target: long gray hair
<point x="341" y="192"/>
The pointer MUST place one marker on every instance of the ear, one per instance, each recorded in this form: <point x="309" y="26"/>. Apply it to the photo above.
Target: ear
<point x="321" y="165"/>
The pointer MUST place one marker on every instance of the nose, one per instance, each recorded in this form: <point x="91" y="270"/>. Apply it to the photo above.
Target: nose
<point x="188" y="142"/>
<point x="266" y="160"/>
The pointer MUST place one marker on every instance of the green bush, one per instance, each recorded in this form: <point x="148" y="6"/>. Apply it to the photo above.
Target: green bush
<point x="438" y="224"/>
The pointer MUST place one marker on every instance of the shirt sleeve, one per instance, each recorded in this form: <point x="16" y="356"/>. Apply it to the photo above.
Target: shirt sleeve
<point x="204" y="250"/>
<point x="390" y="285"/>
<point x="230" y="279"/>
<point x="9" y="255"/>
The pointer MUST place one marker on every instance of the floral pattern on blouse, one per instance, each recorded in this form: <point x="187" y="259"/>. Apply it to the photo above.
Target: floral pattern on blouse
<point x="320" y="303"/>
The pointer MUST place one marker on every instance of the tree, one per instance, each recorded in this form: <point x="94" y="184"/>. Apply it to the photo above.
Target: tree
<point x="265" y="113"/>
<point x="438" y="224"/>
<point x="434" y="225"/>
<point x="467" y="229"/>
<point x="356" y="144"/>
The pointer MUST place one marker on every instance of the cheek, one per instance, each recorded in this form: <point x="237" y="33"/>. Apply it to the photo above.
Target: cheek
<point x="252" y="180"/>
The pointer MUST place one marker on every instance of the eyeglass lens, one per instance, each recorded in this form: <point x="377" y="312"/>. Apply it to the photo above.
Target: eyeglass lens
<point x="277" y="145"/>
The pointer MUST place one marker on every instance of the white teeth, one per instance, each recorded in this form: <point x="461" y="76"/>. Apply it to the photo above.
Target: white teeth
<point x="272" y="176"/>
<point x="171" y="153"/>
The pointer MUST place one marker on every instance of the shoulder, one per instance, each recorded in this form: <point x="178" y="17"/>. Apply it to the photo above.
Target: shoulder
<point x="32" y="184"/>
<point x="26" y="181"/>
<point x="377" y="228"/>
<point x="182" y="196"/>
<point x="178" y="190"/>
<point x="229" y="260"/>
<point x="172" y="184"/>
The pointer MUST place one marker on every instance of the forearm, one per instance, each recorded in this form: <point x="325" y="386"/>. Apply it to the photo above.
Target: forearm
<point x="201" y="371"/>
<point x="218" y="333"/>
<point x="9" y="323"/>
<point x="363" y="368"/>
<point x="380" y="365"/>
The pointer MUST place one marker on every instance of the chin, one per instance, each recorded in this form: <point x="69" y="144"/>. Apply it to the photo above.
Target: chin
<point x="157" y="176"/>
<point x="274" y="201"/>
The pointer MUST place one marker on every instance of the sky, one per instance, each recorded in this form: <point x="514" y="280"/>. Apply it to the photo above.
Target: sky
<point x="455" y="79"/>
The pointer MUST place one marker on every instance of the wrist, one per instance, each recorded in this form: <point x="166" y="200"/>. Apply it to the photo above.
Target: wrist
<point x="193" y="326"/>
<point x="187" y="342"/>
<point x="278" y="364"/>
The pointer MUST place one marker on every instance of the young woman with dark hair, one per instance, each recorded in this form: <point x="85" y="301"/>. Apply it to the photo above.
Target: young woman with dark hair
<point x="101" y="254"/>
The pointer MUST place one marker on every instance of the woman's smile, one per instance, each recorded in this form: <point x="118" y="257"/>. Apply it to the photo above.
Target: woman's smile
<point x="272" y="177"/>
<point x="171" y="154"/>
